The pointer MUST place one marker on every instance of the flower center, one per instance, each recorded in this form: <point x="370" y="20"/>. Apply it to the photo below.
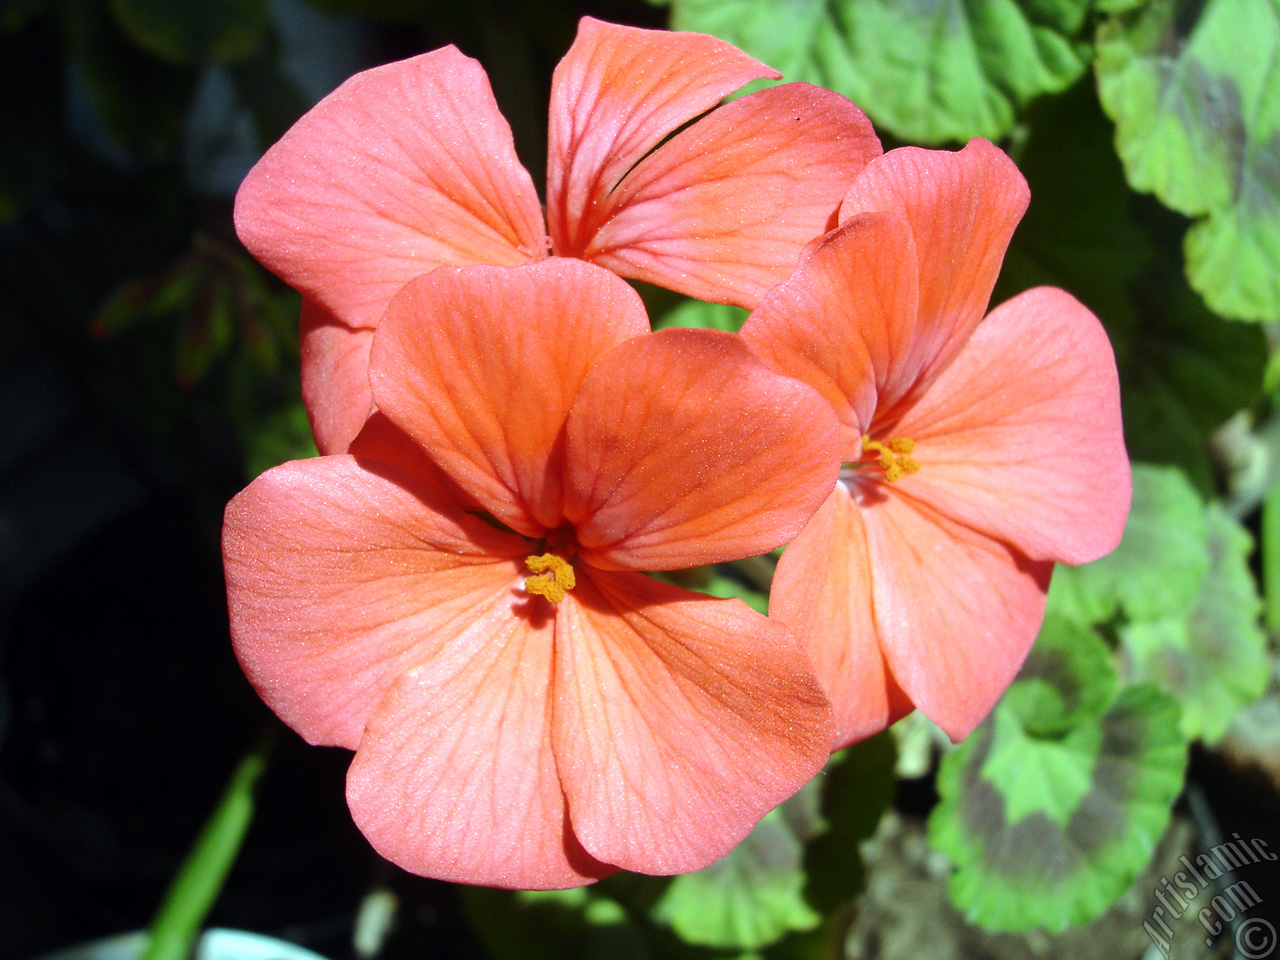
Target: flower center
<point x="552" y="576"/>
<point x="892" y="456"/>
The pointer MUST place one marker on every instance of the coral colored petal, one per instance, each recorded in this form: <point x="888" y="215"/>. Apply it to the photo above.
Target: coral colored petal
<point x="684" y="449"/>
<point x="1021" y="436"/>
<point x="481" y="364"/>
<point x="680" y="721"/>
<point x="822" y="592"/>
<point x="403" y="168"/>
<point x="456" y="778"/>
<point x="335" y="377"/>
<point x="614" y="96"/>
<point x="723" y="210"/>
<point x="844" y="322"/>
<point x="963" y="207"/>
<point x="339" y="577"/>
<point x="956" y="610"/>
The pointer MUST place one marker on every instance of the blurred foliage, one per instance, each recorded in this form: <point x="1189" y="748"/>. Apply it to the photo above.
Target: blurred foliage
<point x="1195" y="94"/>
<point x="952" y="70"/>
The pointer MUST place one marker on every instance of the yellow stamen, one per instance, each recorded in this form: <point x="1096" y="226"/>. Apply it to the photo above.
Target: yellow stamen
<point x="893" y="456"/>
<point x="553" y="576"/>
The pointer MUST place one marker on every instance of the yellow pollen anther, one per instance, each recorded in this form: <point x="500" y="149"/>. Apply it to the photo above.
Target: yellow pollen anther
<point x="892" y="456"/>
<point x="553" y="576"/>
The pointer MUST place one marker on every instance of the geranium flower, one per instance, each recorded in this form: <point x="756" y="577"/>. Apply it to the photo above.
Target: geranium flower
<point x="410" y="166"/>
<point x="977" y="451"/>
<point x="457" y="599"/>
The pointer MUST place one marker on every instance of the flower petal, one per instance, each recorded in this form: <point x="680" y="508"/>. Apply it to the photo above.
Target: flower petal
<point x="680" y="721"/>
<point x="1021" y="436"/>
<point x="614" y="96"/>
<point x="844" y="322"/>
<point x="684" y="449"/>
<point x="403" y="168"/>
<point x="456" y="777"/>
<point x="339" y="577"/>
<point x="723" y="210"/>
<point x="822" y="592"/>
<point x="335" y="377"/>
<point x="962" y="207"/>
<point x="480" y="365"/>
<point x="956" y="610"/>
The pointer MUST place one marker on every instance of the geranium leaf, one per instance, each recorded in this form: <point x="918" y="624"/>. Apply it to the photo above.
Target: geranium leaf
<point x="1159" y="565"/>
<point x="1214" y="660"/>
<point x="800" y="862"/>
<point x="1067" y="680"/>
<point x="1047" y="831"/>
<point x="696" y="313"/>
<point x="194" y="31"/>
<point x="747" y="899"/>
<point x="954" y="70"/>
<point x="1184" y="370"/>
<point x="1197" y="109"/>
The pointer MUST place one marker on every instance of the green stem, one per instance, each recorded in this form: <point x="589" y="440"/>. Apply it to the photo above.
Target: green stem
<point x="177" y="924"/>
<point x="1271" y="559"/>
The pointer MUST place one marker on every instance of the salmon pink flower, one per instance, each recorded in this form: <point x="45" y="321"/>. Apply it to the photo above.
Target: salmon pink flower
<point x="410" y="166"/>
<point x="458" y="598"/>
<point x="977" y="451"/>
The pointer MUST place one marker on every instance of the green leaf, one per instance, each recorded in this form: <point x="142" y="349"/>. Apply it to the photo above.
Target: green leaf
<point x="927" y="72"/>
<point x="1067" y="680"/>
<point x="726" y="587"/>
<point x="696" y="313"/>
<point x="1183" y="370"/>
<point x="800" y="862"/>
<point x="191" y="32"/>
<point x="142" y="101"/>
<point x="1197" y="110"/>
<point x="549" y="925"/>
<point x="1159" y="565"/>
<point x="858" y="786"/>
<point x="1048" y="831"/>
<point x="1214" y="660"/>
<point x="747" y="899"/>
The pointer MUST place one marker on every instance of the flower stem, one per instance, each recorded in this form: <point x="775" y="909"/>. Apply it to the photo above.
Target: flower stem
<point x="177" y="923"/>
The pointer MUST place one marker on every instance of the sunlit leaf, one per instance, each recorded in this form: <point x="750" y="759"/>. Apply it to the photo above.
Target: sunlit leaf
<point x="750" y="897"/>
<point x="1048" y="831"/>
<point x="926" y="72"/>
<point x="1214" y="661"/>
<point x="1195" y="93"/>
<point x="194" y="31"/>
<point x="695" y="313"/>
<point x="1184" y="371"/>
<point x="1158" y="567"/>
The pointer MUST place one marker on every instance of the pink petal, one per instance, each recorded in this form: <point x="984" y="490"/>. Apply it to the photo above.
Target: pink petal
<point x="956" y="611"/>
<point x="340" y="578"/>
<point x="480" y="365"/>
<point x="616" y="94"/>
<point x="456" y="778"/>
<point x="1021" y="436"/>
<point x="723" y="210"/>
<point x="335" y="377"/>
<point x="403" y="168"/>
<point x="962" y="208"/>
<point x="684" y="449"/>
<point x="844" y="323"/>
<point x="680" y="721"/>
<point x="822" y="591"/>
